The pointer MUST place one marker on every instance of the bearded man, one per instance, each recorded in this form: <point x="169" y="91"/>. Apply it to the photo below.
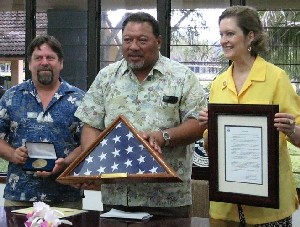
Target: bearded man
<point x="40" y="111"/>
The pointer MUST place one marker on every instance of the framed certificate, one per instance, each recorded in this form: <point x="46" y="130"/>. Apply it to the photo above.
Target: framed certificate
<point x="243" y="154"/>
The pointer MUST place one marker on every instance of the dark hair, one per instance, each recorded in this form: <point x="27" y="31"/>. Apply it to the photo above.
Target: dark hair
<point x="248" y="20"/>
<point x="51" y="41"/>
<point x="141" y="17"/>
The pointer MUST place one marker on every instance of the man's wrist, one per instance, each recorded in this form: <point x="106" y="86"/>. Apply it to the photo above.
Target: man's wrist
<point x="166" y="137"/>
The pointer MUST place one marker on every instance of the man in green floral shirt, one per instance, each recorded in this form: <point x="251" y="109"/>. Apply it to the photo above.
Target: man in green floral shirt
<point x="162" y="99"/>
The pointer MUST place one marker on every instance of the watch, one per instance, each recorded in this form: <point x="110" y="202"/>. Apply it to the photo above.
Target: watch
<point x="166" y="137"/>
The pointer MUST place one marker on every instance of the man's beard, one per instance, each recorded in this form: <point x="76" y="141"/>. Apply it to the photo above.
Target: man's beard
<point x="138" y="65"/>
<point x="45" y="77"/>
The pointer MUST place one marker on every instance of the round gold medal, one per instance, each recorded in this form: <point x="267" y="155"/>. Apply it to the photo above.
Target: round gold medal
<point x="39" y="163"/>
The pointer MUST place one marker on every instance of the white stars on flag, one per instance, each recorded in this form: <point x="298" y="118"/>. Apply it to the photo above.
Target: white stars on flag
<point x="153" y="170"/>
<point x="101" y="170"/>
<point x="128" y="163"/>
<point x="129" y="135"/>
<point x="102" y="156"/>
<point x="89" y="159"/>
<point x="129" y="149"/>
<point x="141" y="159"/>
<point x="114" y="166"/>
<point x="117" y="139"/>
<point x="119" y="152"/>
<point x="104" y="142"/>
<point x="116" y="153"/>
<point x="87" y="172"/>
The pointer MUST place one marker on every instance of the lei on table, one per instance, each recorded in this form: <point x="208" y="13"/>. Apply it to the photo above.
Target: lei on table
<point x="44" y="216"/>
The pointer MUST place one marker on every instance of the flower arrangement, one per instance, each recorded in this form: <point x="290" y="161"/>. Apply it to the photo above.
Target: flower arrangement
<point x="44" y="216"/>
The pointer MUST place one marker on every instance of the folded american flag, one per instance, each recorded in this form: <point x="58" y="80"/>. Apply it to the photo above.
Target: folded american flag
<point x="119" y="152"/>
<point x="119" y="155"/>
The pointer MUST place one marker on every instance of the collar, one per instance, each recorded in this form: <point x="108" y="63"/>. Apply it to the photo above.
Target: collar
<point x="257" y="73"/>
<point x="159" y="66"/>
<point x="64" y="87"/>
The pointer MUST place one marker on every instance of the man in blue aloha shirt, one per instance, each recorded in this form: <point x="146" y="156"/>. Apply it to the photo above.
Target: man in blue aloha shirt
<point x="40" y="109"/>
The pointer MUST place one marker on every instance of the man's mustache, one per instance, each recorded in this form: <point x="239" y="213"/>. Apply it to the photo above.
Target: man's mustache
<point x="45" y="68"/>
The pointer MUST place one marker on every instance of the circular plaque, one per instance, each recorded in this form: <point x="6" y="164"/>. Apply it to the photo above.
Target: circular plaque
<point x="39" y="163"/>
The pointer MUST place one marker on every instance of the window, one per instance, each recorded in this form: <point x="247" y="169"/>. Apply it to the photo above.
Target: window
<point x="195" y="37"/>
<point x="282" y="21"/>
<point x="112" y="16"/>
<point x="67" y="21"/>
<point x="12" y="32"/>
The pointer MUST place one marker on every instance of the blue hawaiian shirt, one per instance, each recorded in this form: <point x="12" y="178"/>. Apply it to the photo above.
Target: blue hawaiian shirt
<point x="22" y="118"/>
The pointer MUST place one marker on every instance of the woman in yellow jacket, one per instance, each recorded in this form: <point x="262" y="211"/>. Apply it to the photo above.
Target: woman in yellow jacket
<point x="252" y="80"/>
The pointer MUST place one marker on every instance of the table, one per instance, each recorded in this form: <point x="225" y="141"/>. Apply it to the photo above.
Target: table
<point x="92" y="219"/>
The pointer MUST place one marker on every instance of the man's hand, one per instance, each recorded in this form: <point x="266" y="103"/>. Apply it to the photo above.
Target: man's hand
<point x="155" y="139"/>
<point x="19" y="155"/>
<point x="59" y="167"/>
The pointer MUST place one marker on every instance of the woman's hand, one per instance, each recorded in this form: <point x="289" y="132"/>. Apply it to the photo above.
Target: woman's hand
<point x="203" y="120"/>
<point x="203" y="117"/>
<point x="285" y="123"/>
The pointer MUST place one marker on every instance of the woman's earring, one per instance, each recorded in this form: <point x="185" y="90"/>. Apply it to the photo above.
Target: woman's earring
<point x="249" y="49"/>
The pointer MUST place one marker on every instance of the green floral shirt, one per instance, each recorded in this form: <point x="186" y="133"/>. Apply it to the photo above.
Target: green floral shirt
<point x="116" y="91"/>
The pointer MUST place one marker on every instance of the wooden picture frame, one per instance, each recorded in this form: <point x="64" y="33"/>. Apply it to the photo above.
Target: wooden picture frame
<point x="76" y="174"/>
<point x="243" y="154"/>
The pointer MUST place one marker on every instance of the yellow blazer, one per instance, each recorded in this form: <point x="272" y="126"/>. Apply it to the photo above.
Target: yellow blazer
<point x="266" y="84"/>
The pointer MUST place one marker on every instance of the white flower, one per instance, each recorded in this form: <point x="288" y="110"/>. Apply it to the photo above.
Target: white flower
<point x="44" y="216"/>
